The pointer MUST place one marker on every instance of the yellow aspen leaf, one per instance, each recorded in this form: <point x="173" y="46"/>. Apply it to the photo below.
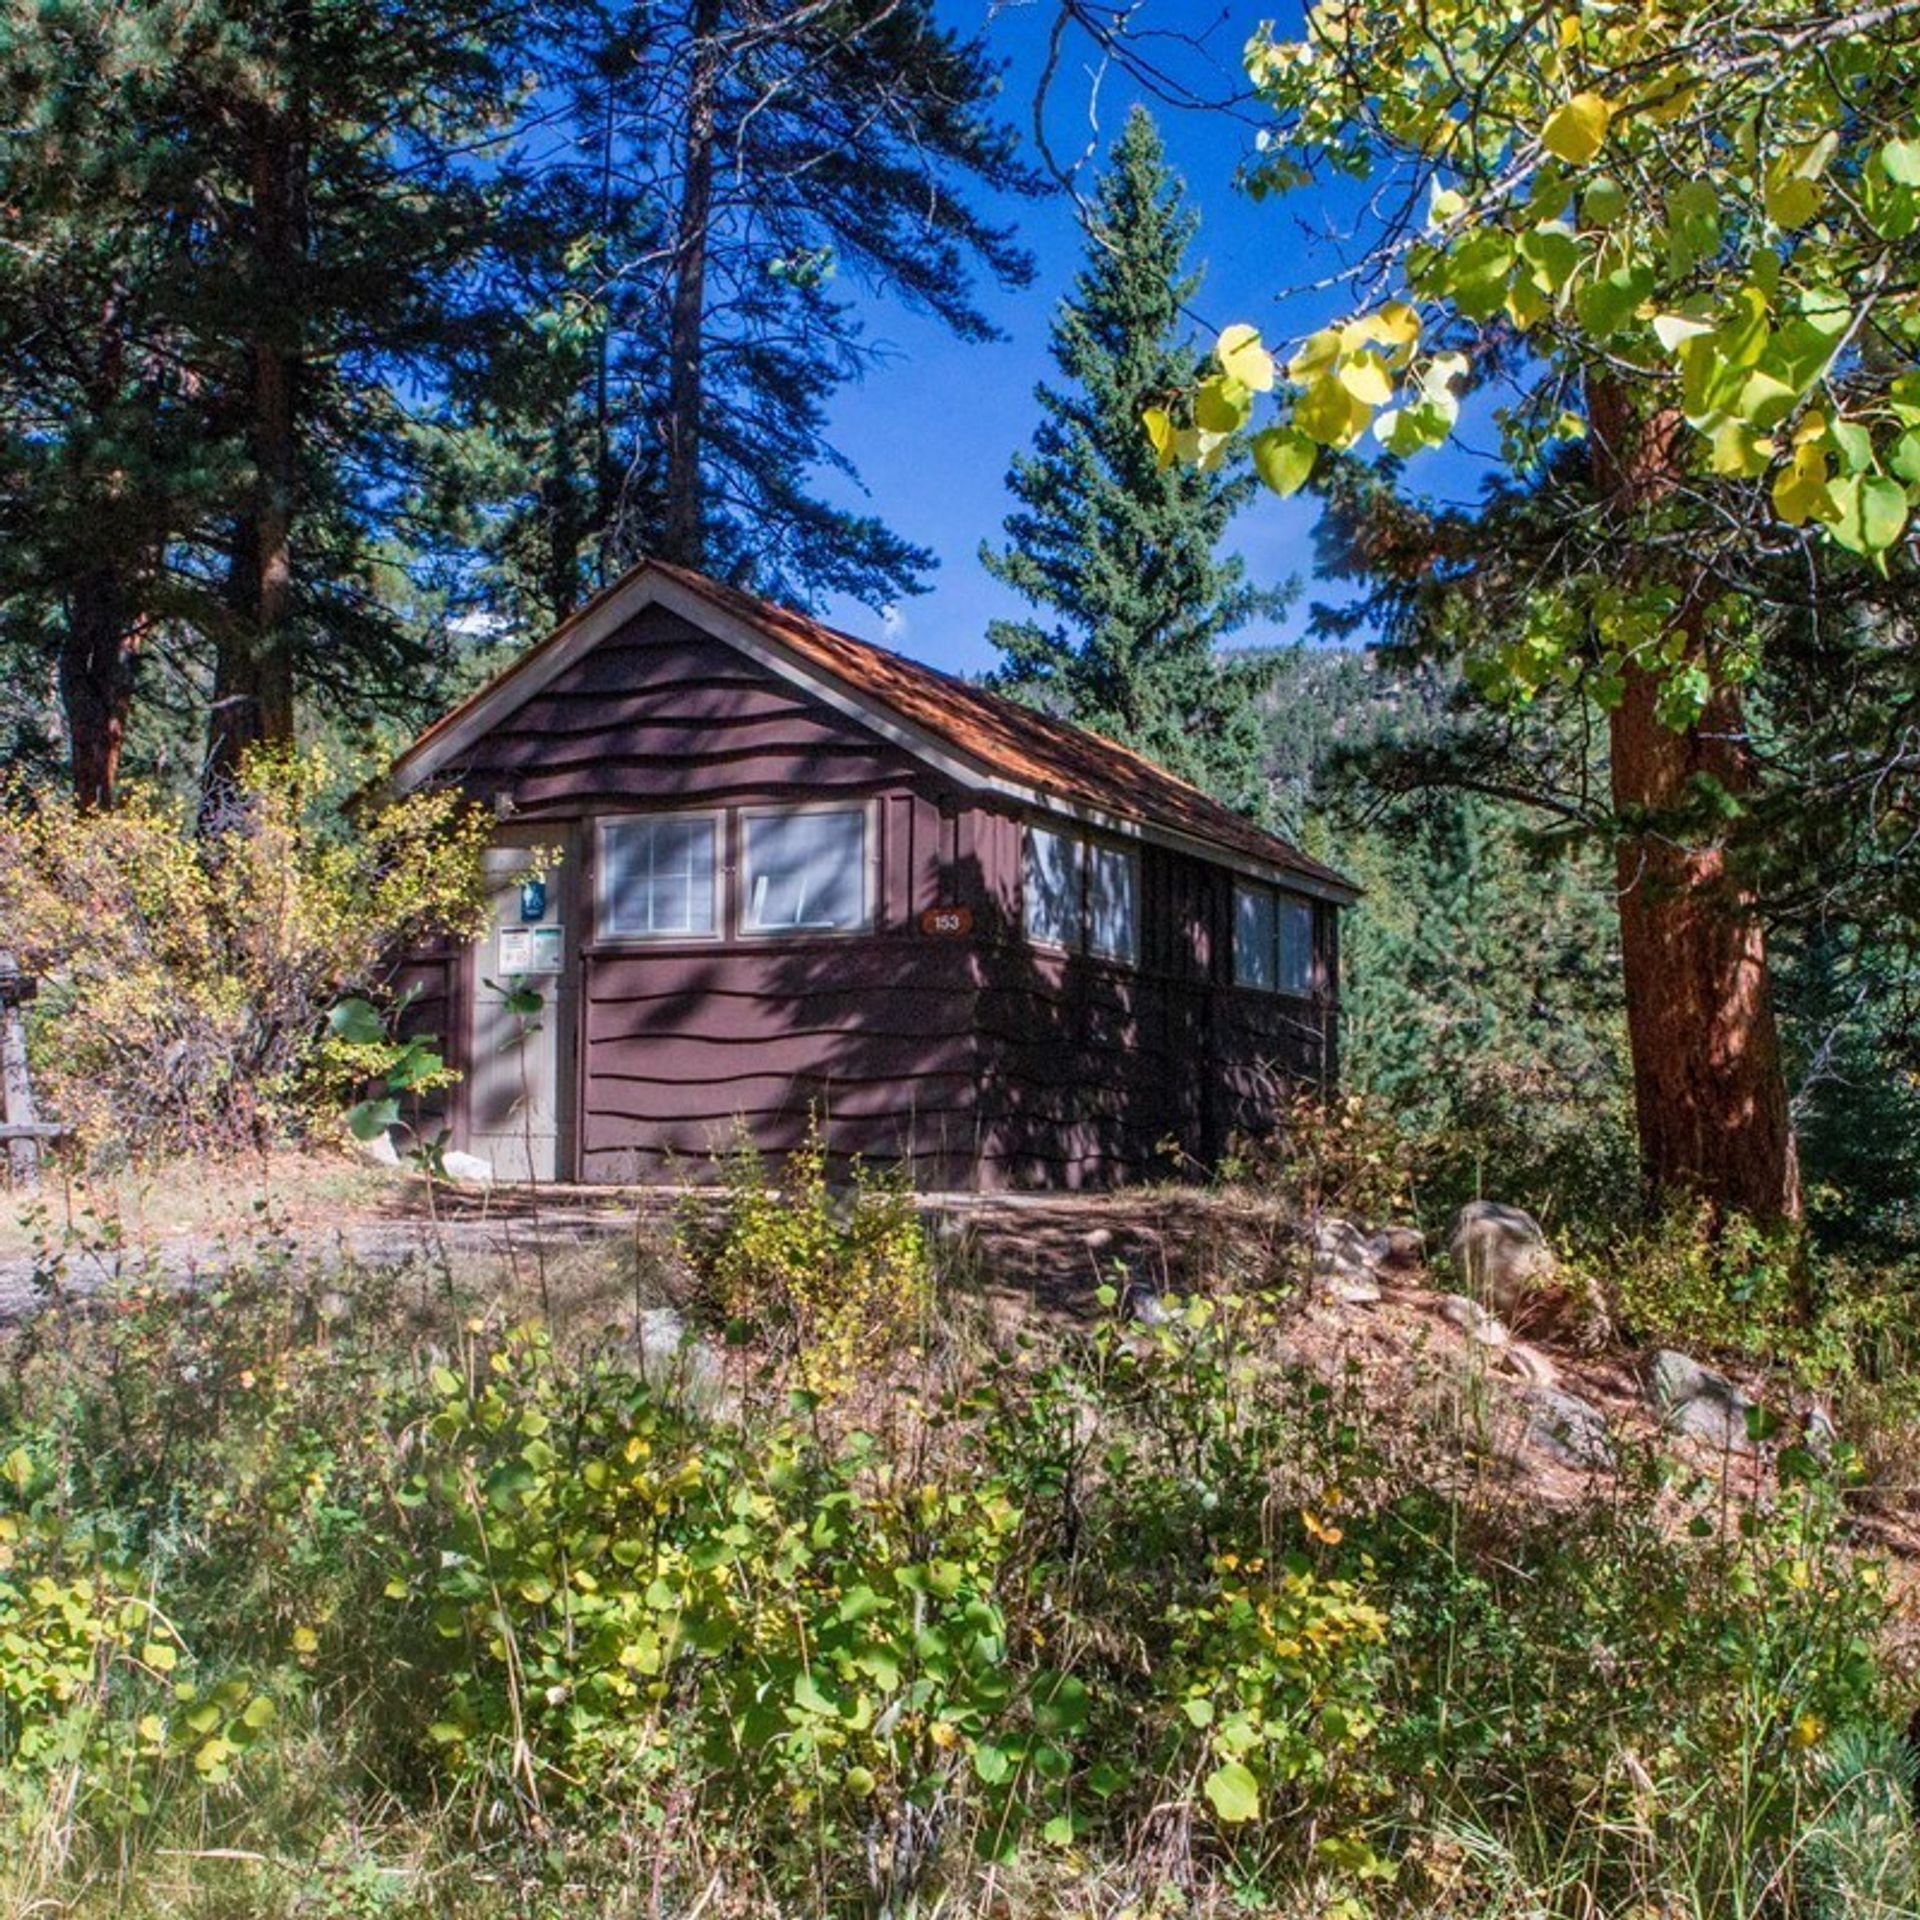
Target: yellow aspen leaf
<point x="1330" y="415"/>
<point x="1317" y="353"/>
<point x="1159" y="425"/>
<point x="1365" y="376"/>
<point x="1800" y="488"/>
<point x="1578" y="130"/>
<point x="1737" y="450"/>
<point x="1243" y="358"/>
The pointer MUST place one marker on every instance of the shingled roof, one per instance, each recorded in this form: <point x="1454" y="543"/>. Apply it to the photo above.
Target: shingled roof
<point x="1007" y="746"/>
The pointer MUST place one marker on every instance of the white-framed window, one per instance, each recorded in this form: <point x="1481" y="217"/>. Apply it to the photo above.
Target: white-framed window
<point x="1255" y="938"/>
<point x="1050" y="887"/>
<point x="1296" y="944"/>
<point x="1083" y="895"/>
<point x="805" y="870"/>
<point x="1113" y="903"/>
<point x="660" y="876"/>
<point x="1272" y="940"/>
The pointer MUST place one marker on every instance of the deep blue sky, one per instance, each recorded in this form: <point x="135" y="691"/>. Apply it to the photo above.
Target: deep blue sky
<point x="931" y="431"/>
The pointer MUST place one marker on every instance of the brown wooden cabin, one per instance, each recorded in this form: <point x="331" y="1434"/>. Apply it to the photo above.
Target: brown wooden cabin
<point x="797" y="872"/>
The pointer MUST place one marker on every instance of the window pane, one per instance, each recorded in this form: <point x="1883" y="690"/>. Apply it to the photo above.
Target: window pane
<point x="1113" y="909"/>
<point x="657" y="876"/>
<point x="1050" y="887"/>
<point x="805" y="872"/>
<point x="1296" y="945"/>
<point x="1254" y="938"/>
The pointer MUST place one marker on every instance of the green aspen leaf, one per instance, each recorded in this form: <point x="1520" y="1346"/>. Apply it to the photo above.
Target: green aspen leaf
<point x="1791" y="202"/>
<point x="859" y="1781"/>
<point x="1221" y="405"/>
<point x="1365" y="376"/>
<point x="992" y="1763"/>
<point x="358" y="1023"/>
<point x="1409" y="430"/>
<point x="1903" y="396"/>
<point x="368" y="1119"/>
<point x="1763" y="401"/>
<point x="1901" y="161"/>
<point x="1606" y="306"/>
<point x="1443" y="204"/>
<point x="1058" y="1832"/>
<point x="1855" y="444"/>
<point x="1553" y="254"/>
<point x="1904" y="457"/>
<point x="1234" y="1793"/>
<point x="1475" y="272"/>
<point x="1243" y="358"/>
<point x="1870" y="512"/>
<point x="1603" y="203"/>
<point x="1798" y="354"/>
<point x="260" y="1713"/>
<point x="1578" y="130"/>
<point x="1160" y="431"/>
<point x="1743" y="335"/>
<point x="1283" y="458"/>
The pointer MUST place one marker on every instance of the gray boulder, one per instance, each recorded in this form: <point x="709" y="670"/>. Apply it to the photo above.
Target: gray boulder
<point x="1398" y="1249"/>
<point x="1340" y="1264"/>
<point x="1474" y="1320"/>
<point x="672" y="1356"/>
<point x="467" y="1169"/>
<point x="1501" y="1256"/>
<point x="380" y="1150"/>
<point x="1694" y="1400"/>
<point x="1570" y="1429"/>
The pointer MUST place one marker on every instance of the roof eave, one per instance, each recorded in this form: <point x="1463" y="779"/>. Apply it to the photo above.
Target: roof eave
<point x="448" y="738"/>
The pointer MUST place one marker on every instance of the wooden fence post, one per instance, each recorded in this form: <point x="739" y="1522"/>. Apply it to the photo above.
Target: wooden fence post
<point x="22" y="1130"/>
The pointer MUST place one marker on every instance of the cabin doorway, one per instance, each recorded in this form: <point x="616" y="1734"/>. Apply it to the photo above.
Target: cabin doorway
<point x="522" y="1021"/>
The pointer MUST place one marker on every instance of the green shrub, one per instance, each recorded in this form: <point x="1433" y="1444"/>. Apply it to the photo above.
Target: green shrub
<point x="842" y="1279"/>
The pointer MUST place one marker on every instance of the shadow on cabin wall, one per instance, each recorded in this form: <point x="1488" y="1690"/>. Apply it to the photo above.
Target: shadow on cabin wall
<point x="978" y="1061"/>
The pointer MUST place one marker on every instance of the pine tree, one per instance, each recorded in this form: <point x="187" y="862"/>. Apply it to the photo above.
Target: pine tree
<point x="735" y="169"/>
<point x="1118" y="549"/>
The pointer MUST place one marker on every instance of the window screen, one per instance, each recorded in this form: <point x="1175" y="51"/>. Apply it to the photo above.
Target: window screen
<point x="1296" y="945"/>
<point x="1050" y="888"/>
<point x="657" y="875"/>
<point x="1254" y="938"/>
<point x="1113" y="904"/>
<point x="804" y="872"/>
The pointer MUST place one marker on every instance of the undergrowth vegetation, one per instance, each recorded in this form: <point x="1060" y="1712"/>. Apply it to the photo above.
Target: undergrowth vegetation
<point x="381" y="1602"/>
<point x="186" y="975"/>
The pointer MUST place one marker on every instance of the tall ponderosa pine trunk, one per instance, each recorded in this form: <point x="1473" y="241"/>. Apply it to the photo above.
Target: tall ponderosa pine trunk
<point x="683" y="533"/>
<point x="1709" y="1092"/>
<point x="97" y="656"/>
<point x="253" y="674"/>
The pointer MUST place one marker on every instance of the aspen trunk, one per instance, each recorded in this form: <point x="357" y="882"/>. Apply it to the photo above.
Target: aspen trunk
<point x="1709" y="1093"/>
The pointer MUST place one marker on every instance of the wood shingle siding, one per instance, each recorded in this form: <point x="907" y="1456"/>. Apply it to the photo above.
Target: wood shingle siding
<point x="980" y="1059"/>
